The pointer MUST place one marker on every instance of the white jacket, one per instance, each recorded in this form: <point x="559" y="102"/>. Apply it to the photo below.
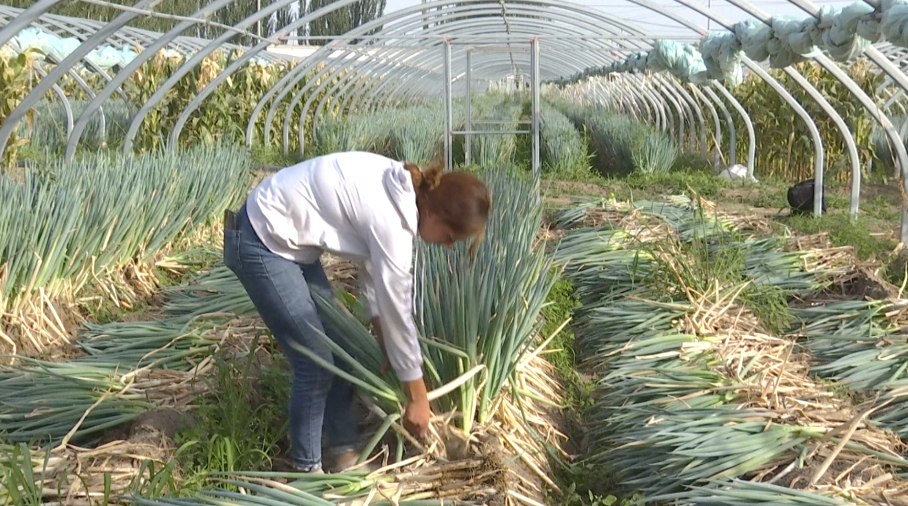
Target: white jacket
<point x="360" y="206"/>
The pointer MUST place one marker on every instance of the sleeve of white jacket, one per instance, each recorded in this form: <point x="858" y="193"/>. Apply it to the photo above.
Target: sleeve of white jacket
<point x="391" y="257"/>
<point x="367" y="288"/>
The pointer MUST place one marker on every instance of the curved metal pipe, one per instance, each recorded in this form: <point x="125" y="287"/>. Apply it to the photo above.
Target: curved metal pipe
<point x="680" y="110"/>
<point x="85" y="87"/>
<point x="18" y="23"/>
<point x="319" y="112"/>
<point x="870" y="105"/>
<point x="190" y="64"/>
<point x="732" y="134"/>
<point x="403" y="82"/>
<point x="653" y="105"/>
<point x="47" y="83"/>
<point x="748" y="123"/>
<point x="451" y="23"/>
<point x="819" y="162"/>
<point x="717" y="158"/>
<point x="381" y="23"/>
<point x="827" y="108"/>
<point x="799" y="110"/>
<point x="242" y="60"/>
<point x="67" y="106"/>
<point x="698" y="122"/>
<point x="90" y="65"/>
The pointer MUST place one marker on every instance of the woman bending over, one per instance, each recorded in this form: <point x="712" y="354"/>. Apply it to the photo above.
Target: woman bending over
<point x="367" y="208"/>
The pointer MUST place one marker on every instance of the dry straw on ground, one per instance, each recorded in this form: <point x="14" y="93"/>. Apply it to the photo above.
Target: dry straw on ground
<point x="787" y="394"/>
<point x="503" y="462"/>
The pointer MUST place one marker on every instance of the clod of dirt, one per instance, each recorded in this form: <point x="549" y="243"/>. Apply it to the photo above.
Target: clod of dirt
<point x="166" y="421"/>
<point x="862" y="285"/>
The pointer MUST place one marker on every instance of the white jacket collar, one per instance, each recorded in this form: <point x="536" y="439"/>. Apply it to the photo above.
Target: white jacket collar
<point x="399" y="185"/>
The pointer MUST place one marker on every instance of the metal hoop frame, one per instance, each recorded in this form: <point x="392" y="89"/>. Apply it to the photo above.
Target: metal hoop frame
<point x="399" y="59"/>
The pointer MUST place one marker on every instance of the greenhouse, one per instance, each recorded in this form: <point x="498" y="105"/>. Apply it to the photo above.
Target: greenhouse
<point x="689" y="289"/>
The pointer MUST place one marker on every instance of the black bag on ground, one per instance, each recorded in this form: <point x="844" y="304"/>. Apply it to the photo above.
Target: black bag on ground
<point x="800" y="198"/>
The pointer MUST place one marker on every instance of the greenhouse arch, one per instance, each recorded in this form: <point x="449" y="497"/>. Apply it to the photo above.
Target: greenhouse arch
<point x="404" y="53"/>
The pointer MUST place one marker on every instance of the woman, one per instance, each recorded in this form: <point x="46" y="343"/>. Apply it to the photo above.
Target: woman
<point x="368" y="208"/>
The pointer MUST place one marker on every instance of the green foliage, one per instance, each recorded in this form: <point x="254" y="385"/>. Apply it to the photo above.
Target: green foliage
<point x="559" y="307"/>
<point x="563" y="151"/>
<point x="623" y="145"/>
<point x="65" y="227"/>
<point x="487" y="307"/>
<point x="17" y="76"/>
<point x="784" y="149"/>
<point x="223" y="116"/>
<point x="653" y="153"/>
<point x="845" y="232"/>
<point x="505" y="110"/>
<point x="49" y="126"/>
<point x="239" y="424"/>
<point x="412" y="133"/>
<point x="24" y="475"/>
<point x="679" y="181"/>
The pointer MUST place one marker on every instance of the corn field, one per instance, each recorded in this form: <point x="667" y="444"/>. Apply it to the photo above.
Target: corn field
<point x="222" y="117"/>
<point x="784" y="149"/>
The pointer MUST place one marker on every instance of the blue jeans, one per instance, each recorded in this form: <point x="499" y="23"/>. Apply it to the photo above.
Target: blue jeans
<point x="281" y="291"/>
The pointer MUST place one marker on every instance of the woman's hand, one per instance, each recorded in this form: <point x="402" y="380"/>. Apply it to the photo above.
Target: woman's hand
<point x="418" y="412"/>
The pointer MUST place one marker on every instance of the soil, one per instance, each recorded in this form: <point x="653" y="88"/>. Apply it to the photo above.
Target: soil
<point x="152" y="434"/>
<point x="863" y="285"/>
<point x="576" y="188"/>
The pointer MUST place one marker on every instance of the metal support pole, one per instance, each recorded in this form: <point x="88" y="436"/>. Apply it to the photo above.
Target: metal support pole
<point x="534" y="75"/>
<point x="468" y="108"/>
<point x="449" y="113"/>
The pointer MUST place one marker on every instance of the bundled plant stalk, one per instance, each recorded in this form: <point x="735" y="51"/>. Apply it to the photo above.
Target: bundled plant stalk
<point x="412" y="134"/>
<point x="861" y="346"/>
<point x="564" y="152"/>
<point x="498" y="112"/>
<point x="622" y="144"/>
<point x="693" y="392"/>
<point x="81" y="225"/>
<point x="129" y="368"/>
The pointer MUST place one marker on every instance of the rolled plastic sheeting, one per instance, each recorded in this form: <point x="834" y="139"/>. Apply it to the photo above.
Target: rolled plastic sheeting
<point x="722" y="57"/>
<point x="105" y="56"/>
<point x="788" y="44"/>
<point x="895" y="22"/>
<point x="841" y="38"/>
<point x="842" y="33"/>
<point x="59" y="48"/>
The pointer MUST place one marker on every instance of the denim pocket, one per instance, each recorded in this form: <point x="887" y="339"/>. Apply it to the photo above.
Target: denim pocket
<point x="232" y="250"/>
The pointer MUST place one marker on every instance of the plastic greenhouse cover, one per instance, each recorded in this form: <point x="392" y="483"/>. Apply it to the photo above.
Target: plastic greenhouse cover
<point x="103" y="56"/>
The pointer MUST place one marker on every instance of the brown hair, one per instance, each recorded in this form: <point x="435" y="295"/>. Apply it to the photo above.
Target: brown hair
<point x="461" y="199"/>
